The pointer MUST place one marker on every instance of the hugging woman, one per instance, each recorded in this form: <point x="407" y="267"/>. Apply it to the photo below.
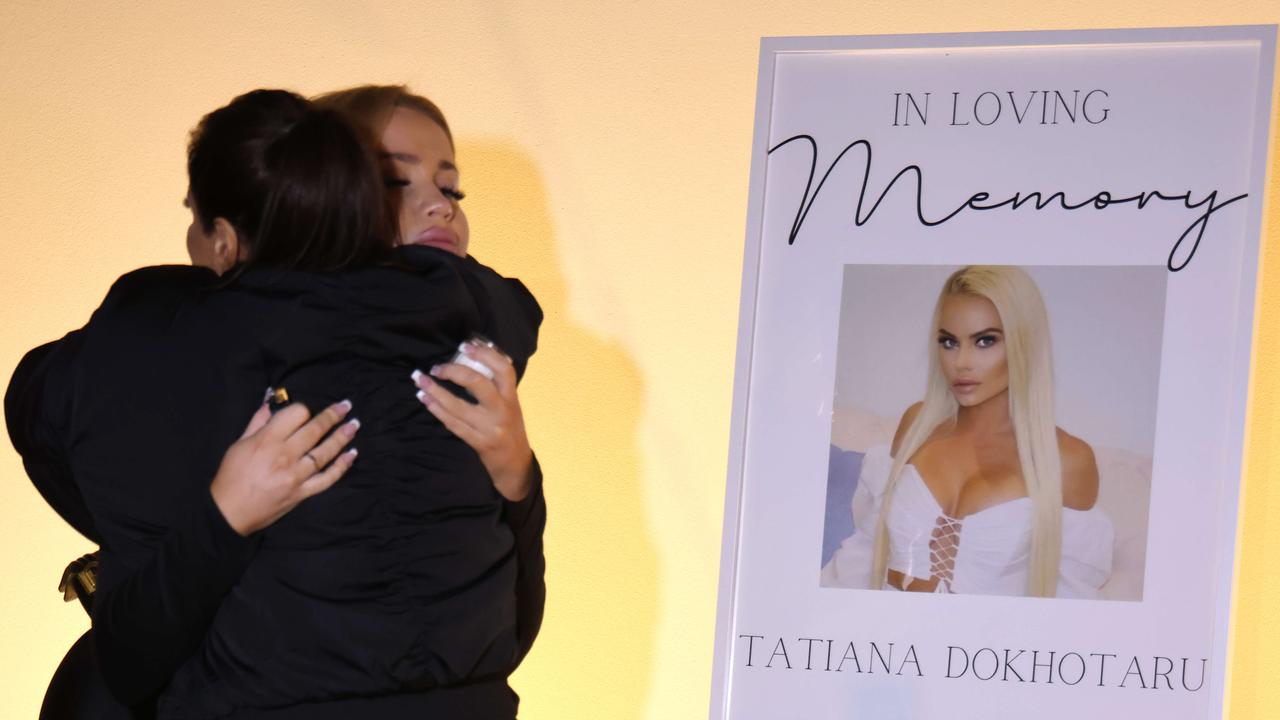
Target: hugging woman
<point x="414" y="585"/>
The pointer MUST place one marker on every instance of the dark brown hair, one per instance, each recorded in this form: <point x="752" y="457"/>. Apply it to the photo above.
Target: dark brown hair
<point x="299" y="185"/>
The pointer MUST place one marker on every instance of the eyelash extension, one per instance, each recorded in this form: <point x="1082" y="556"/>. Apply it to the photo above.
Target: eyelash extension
<point x="451" y="193"/>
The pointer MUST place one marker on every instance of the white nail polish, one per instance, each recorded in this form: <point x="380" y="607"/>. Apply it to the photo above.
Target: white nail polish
<point x="417" y="375"/>
<point x="422" y="395"/>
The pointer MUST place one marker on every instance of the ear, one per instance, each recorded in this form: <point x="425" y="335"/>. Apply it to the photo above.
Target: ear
<point x="227" y="248"/>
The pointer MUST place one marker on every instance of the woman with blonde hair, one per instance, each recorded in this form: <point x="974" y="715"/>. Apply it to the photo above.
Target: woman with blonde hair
<point x="421" y="169"/>
<point x="980" y="491"/>
<point x="419" y="160"/>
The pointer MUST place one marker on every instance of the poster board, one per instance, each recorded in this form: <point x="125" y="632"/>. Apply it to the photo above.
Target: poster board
<point x="1122" y="172"/>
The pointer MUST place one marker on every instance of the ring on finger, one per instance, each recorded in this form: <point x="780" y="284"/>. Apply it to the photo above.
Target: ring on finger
<point x="315" y="463"/>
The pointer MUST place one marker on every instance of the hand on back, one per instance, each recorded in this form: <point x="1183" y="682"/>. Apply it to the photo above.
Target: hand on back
<point x="494" y="425"/>
<point x="281" y="460"/>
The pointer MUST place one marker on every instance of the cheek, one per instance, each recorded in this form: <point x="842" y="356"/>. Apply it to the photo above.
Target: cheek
<point x="406" y="221"/>
<point x="1000" y="368"/>
<point x="409" y="203"/>
<point x="463" y="228"/>
<point x="193" y="246"/>
<point x="946" y="361"/>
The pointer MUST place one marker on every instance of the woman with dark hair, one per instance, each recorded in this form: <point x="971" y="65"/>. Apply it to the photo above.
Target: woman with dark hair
<point x="274" y="181"/>
<point x="391" y="591"/>
<point x="278" y="462"/>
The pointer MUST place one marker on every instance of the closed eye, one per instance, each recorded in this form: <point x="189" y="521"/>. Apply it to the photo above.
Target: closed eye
<point x="453" y="194"/>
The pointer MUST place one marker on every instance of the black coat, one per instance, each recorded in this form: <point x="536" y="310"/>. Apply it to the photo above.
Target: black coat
<point x="409" y="575"/>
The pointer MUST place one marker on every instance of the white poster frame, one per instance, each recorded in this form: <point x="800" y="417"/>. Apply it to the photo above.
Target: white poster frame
<point x="753" y="271"/>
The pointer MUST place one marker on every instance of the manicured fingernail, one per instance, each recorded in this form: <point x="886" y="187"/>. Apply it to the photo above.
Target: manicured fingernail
<point x="267" y="395"/>
<point x="351" y="427"/>
<point x="435" y="370"/>
<point x="344" y="407"/>
<point x="416" y="375"/>
<point x="466" y="347"/>
<point x="352" y="453"/>
<point x="422" y="396"/>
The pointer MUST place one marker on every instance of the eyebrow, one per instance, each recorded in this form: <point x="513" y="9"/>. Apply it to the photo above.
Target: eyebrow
<point x="980" y="333"/>
<point x="415" y="160"/>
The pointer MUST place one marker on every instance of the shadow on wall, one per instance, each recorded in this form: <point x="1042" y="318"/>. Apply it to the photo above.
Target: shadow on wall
<point x="581" y="401"/>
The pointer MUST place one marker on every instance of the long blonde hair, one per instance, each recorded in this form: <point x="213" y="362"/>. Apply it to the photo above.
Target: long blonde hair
<point x="1026" y="331"/>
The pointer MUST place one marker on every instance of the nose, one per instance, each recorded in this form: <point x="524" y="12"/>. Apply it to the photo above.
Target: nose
<point x="433" y="204"/>
<point x="964" y="357"/>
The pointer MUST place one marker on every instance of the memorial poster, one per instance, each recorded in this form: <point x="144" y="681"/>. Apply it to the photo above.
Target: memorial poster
<point x="1086" y="204"/>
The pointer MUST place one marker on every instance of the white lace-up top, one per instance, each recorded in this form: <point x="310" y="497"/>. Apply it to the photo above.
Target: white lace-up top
<point x="985" y="552"/>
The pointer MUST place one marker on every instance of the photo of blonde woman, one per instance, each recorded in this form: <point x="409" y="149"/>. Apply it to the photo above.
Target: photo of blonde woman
<point x="979" y="487"/>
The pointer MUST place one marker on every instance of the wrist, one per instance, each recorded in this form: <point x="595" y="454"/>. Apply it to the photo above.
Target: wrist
<point x="515" y="480"/>
<point x="226" y="507"/>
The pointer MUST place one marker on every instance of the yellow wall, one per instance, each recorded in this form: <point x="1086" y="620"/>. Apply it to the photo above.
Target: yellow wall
<point x="605" y="153"/>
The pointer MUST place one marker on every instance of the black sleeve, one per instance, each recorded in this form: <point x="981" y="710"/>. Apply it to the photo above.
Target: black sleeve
<point x="148" y="621"/>
<point x="40" y="399"/>
<point x="37" y="409"/>
<point x="527" y="520"/>
<point x="512" y="317"/>
<point x="168" y="557"/>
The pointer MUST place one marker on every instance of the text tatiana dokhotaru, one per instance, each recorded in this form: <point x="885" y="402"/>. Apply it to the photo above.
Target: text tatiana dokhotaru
<point x="1050" y="667"/>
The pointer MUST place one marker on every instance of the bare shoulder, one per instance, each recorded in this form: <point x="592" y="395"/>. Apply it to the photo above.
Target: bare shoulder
<point x="1079" y="472"/>
<point x="908" y="417"/>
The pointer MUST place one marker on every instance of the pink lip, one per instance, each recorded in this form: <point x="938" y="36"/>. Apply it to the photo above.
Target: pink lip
<point x="962" y="386"/>
<point x="439" y="237"/>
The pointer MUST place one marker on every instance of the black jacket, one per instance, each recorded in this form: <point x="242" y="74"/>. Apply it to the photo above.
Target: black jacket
<point x="410" y="574"/>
